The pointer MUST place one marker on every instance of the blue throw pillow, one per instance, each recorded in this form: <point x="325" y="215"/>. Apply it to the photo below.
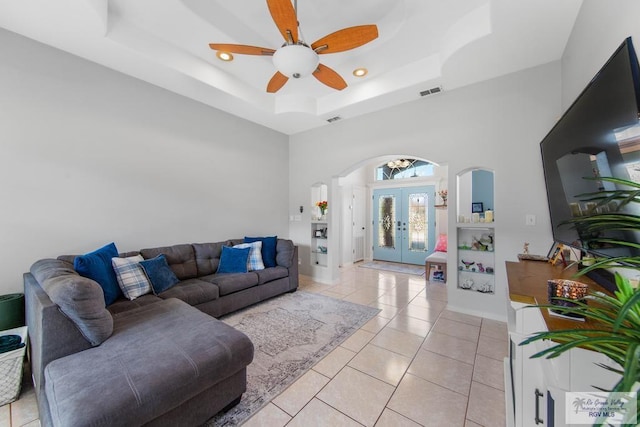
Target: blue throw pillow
<point x="268" y="249"/>
<point x="159" y="273"/>
<point x="97" y="266"/>
<point x="233" y="260"/>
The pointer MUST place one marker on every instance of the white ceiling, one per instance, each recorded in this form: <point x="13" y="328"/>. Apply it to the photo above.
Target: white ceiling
<point x="422" y="44"/>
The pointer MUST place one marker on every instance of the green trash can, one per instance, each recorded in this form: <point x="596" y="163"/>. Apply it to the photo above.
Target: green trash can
<point x="11" y="311"/>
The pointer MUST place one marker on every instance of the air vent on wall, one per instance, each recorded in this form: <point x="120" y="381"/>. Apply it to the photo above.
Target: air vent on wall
<point x="431" y="91"/>
<point x="334" y="119"/>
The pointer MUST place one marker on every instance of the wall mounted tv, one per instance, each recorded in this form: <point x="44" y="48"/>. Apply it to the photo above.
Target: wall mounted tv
<point x="598" y="136"/>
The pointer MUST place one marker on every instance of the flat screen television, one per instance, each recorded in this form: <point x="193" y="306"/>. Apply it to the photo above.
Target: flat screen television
<point x="598" y="136"/>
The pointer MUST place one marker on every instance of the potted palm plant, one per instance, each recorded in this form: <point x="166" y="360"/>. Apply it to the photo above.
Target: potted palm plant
<point x="617" y="335"/>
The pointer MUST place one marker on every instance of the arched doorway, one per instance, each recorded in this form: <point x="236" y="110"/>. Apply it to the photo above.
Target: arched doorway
<point x="355" y="189"/>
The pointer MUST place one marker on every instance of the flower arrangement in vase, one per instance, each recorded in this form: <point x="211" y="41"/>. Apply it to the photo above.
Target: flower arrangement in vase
<point x="323" y="207"/>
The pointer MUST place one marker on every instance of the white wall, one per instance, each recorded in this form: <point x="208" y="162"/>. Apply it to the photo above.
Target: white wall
<point x="89" y="156"/>
<point x="496" y="124"/>
<point x="600" y="28"/>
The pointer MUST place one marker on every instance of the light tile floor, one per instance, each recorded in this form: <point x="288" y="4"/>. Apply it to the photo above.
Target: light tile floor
<point x="414" y="364"/>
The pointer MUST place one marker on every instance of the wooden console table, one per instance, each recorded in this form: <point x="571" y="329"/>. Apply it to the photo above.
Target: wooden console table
<point x="527" y="282"/>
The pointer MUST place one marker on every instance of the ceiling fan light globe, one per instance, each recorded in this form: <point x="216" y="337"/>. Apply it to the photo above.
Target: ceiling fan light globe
<point x="296" y="60"/>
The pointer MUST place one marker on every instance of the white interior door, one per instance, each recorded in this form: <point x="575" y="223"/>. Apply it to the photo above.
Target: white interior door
<point x="359" y="220"/>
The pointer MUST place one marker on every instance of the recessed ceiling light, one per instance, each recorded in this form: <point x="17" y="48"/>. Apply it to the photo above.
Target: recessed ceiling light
<point x="224" y="56"/>
<point x="360" y="72"/>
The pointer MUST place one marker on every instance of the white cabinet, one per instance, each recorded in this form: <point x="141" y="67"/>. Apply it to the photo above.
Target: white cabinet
<point x="530" y="390"/>
<point x="539" y="385"/>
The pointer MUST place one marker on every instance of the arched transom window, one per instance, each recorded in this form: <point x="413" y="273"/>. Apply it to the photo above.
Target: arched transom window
<point x="403" y="168"/>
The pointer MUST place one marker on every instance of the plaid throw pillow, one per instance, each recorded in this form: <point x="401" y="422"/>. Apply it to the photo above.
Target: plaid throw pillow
<point x="131" y="277"/>
<point x="254" y="262"/>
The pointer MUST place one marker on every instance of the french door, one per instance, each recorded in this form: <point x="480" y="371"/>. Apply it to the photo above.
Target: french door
<point x="403" y="224"/>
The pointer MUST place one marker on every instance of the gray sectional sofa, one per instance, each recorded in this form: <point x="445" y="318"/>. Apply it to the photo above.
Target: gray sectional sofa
<point x="156" y="360"/>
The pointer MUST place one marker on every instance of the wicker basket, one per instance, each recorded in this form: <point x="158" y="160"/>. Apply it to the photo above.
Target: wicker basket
<point x="11" y="365"/>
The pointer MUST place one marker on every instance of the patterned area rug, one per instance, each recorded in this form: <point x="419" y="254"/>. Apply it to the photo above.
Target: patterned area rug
<point x="290" y="334"/>
<point x="417" y="270"/>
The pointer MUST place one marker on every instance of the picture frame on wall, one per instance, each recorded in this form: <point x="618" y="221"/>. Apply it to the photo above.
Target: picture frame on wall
<point x="318" y="233"/>
<point x="477" y="207"/>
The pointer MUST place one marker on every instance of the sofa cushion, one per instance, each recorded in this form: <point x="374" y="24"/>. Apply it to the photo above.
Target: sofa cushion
<point x="268" y="249"/>
<point x="181" y="259"/>
<point x="269" y="274"/>
<point x="233" y="260"/>
<point x="284" y="253"/>
<point x="166" y="354"/>
<point x="131" y="277"/>
<point x="159" y="273"/>
<point x="97" y="266"/>
<point x="193" y="292"/>
<point x="234" y="282"/>
<point x="123" y="304"/>
<point x="208" y="256"/>
<point x="79" y="298"/>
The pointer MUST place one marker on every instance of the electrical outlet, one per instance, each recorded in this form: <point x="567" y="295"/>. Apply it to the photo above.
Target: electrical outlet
<point x="530" y="219"/>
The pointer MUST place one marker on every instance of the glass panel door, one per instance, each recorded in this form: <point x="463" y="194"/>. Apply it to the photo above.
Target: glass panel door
<point x="387" y="236"/>
<point x="419" y="217"/>
<point x="404" y="220"/>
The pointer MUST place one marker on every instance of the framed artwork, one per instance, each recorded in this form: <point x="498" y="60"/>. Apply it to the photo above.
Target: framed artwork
<point x="556" y="254"/>
<point x="477" y="207"/>
<point x="318" y="233"/>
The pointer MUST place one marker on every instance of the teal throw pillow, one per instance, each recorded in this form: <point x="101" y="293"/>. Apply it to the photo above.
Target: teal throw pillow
<point x="268" y="249"/>
<point x="159" y="273"/>
<point x="97" y="266"/>
<point x="233" y="260"/>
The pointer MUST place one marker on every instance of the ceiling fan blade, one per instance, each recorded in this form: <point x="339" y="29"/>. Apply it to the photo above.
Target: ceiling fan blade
<point x="329" y="77"/>
<point x="345" y="39"/>
<point x="277" y="81"/>
<point x="242" y="48"/>
<point x="284" y="15"/>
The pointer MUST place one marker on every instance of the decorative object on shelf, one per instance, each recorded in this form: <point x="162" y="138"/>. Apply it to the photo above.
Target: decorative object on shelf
<point x="481" y="269"/>
<point x="318" y="233"/>
<point x="467" y="264"/>
<point x="525" y="249"/>
<point x="565" y="293"/>
<point x="484" y="243"/>
<point x="323" y="207"/>
<point x="556" y="254"/>
<point x="477" y="207"/>
<point x="488" y="215"/>
<point x="322" y="249"/>
<point x="466" y="283"/>
<point x="443" y="195"/>
<point x="489" y="270"/>
<point x="485" y="288"/>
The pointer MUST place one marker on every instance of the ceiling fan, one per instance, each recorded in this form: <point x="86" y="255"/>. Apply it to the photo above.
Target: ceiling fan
<point x="297" y="59"/>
